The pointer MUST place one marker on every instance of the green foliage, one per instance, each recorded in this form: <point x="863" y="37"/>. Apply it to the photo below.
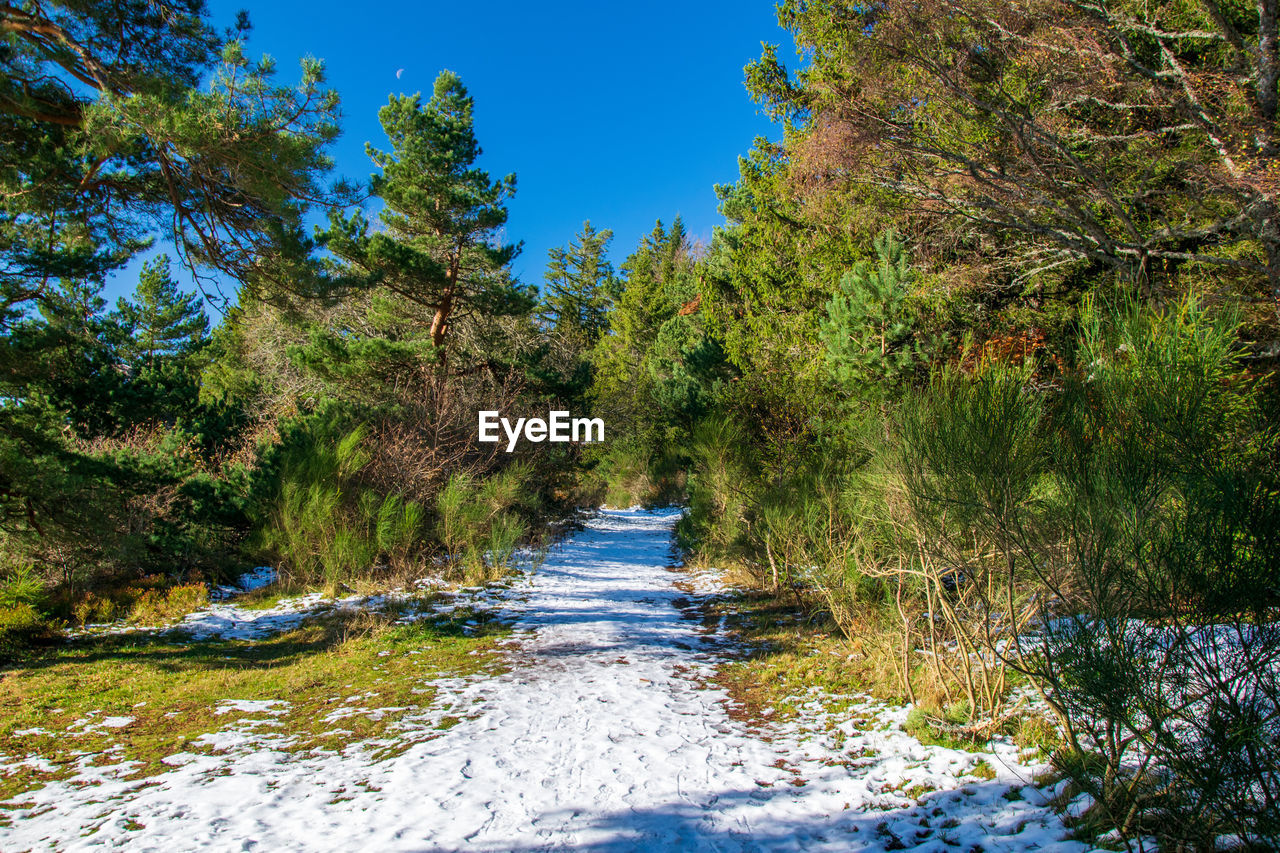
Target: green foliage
<point x="107" y="463"/>
<point x="160" y="320"/>
<point x="122" y="122"/>
<point x="657" y="371"/>
<point x="720" y="485"/>
<point x="772" y="267"/>
<point x="1026" y="176"/>
<point x="146" y="125"/>
<point x="479" y="520"/>
<point x="627" y="474"/>
<point x="22" y="585"/>
<point x="1133" y="519"/>
<point x="438" y="249"/>
<point x="973" y="445"/>
<point x="149" y="600"/>
<point x="320" y="522"/>
<point x="579" y="280"/>
<point x="868" y="329"/>
<point x="20" y="624"/>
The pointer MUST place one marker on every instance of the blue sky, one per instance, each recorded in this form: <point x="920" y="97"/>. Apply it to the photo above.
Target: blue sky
<point x="618" y="113"/>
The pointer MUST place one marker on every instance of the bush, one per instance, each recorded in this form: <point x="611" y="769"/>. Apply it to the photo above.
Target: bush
<point x="162" y="605"/>
<point x="1118" y="539"/>
<point x="721" y="488"/>
<point x="22" y="585"/>
<point x="322" y="524"/>
<point x="479" y="521"/>
<point x="628" y="475"/>
<point x="149" y="600"/>
<point x="20" y="624"/>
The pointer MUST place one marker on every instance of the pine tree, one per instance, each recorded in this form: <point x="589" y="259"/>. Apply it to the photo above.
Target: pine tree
<point x="867" y="330"/>
<point x="160" y="319"/>
<point x="123" y="119"/>
<point x="578" y="280"/>
<point x="439" y="248"/>
<point x="62" y="360"/>
<point x="658" y="278"/>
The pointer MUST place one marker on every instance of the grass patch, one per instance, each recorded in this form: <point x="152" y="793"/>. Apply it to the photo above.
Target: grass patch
<point x="1036" y="733"/>
<point x="983" y="770"/>
<point x="790" y="650"/>
<point x="363" y="671"/>
<point x="793" y="645"/>
<point x="943" y="727"/>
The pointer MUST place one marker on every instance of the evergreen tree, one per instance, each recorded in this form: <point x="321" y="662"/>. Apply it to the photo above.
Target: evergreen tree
<point x="63" y="359"/>
<point x="579" y="278"/>
<point x="658" y="278"/>
<point x="439" y="248"/>
<point x="161" y="320"/>
<point x="123" y="119"/>
<point x="868" y="328"/>
<point x="120" y="121"/>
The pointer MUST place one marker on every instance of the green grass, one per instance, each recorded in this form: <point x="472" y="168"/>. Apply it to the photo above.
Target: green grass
<point x="172" y="690"/>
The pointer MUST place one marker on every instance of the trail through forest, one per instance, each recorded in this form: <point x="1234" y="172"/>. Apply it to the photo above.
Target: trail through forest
<point x="604" y="733"/>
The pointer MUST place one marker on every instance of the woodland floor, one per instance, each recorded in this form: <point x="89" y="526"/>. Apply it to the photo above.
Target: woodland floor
<point x="579" y="709"/>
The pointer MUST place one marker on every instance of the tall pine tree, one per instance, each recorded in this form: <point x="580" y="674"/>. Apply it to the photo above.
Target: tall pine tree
<point x="578" y="280"/>
<point x="440" y="247"/>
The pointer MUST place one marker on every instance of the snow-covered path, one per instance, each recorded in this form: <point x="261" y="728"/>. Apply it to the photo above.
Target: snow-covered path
<point x="602" y="736"/>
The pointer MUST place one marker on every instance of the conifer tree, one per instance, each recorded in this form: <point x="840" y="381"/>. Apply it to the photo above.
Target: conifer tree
<point x="439" y="248"/>
<point x="579" y="278"/>
<point x="160" y="319"/>
<point x="658" y="278"/>
<point x="121" y="120"/>
<point x="867" y="329"/>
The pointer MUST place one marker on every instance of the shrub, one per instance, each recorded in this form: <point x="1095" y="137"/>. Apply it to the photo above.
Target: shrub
<point x="162" y="605"/>
<point x="20" y="624"/>
<point x="321" y="522"/>
<point x="1117" y="541"/>
<point x="22" y="585"/>
<point x="721" y="487"/>
<point x="479" y="521"/>
<point x="629" y="475"/>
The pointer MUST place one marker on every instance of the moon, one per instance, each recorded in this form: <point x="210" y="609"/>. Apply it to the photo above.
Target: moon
<point x="398" y="73"/>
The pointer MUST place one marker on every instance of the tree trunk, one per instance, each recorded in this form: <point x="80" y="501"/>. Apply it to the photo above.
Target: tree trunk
<point x="440" y="323"/>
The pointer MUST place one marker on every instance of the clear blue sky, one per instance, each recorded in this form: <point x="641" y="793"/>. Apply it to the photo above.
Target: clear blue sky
<point x="618" y="113"/>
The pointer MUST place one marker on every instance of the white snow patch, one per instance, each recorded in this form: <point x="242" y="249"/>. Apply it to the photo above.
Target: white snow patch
<point x="223" y="619"/>
<point x="249" y="581"/>
<point x="115" y="722"/>
<point x="274" y="707"/>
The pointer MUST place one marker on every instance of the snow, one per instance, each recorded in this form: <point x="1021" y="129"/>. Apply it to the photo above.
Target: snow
<point x="224" y="619"/>
<point x="604" y="734"/>
<point x="252" y="706"/>
<point x="249" y="581"/>
<point x="92" y="722"/>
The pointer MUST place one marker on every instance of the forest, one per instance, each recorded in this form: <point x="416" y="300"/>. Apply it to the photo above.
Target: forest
<point x="979" y="371"/>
